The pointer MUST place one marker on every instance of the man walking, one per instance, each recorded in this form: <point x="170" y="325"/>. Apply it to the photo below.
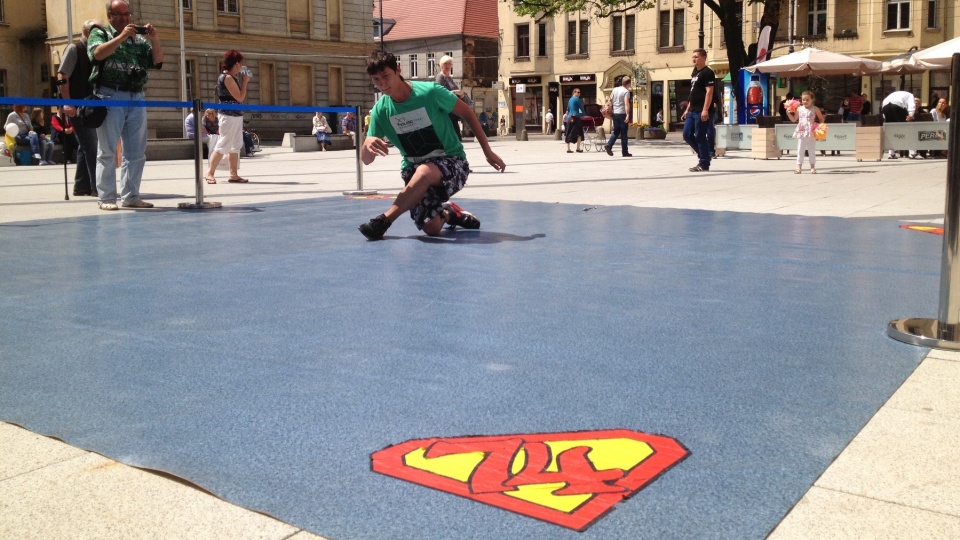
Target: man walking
<point x="698" y="118"/>
<point x="621" y="117"/>
<point x="73" y="80"/>
<point x="121" y="58"/>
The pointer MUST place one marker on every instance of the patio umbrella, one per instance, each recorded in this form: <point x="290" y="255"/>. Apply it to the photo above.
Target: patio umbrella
<point x="936" y="57"/>
<point x="898" y="65"/>
<point x="811" y="61"/>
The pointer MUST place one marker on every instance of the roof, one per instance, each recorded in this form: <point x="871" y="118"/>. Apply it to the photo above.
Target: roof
<point x="434" y="18"/>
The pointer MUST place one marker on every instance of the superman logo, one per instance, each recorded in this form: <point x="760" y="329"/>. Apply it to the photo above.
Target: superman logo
<point x="568" y="479"/>
<point x="924" y="228"/>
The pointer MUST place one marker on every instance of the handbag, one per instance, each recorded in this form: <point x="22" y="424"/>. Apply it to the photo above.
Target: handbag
<point x="91" y="116"/>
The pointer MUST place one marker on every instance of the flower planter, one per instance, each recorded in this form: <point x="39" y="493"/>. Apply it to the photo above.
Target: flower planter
<point x="654" y="134"/>
<point x="632" y="132"/>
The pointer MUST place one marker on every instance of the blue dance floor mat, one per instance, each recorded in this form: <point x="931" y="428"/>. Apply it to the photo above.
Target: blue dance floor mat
<point x="267" y="353"/>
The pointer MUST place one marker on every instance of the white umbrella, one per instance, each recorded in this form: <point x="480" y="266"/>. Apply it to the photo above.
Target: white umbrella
<point x="936" y="57"/>
<point x="898" y="65"/>
<point x="811" y="61"/>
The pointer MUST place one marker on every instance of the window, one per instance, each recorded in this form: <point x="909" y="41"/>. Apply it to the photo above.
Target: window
<point x="584" y="37"/>
<point x="3" y="80"/>
<point x="1" y="11"/>
<point x="933" y="18"/>
<point x="44" y="72"/>
<point x="542" y="39"/>
<point x="336" y="90"/>
<point x="431" y="65"/>
<point x="671" y="28"/>
<point x="578" y="37"/>
<point x="898" y="14"/>
<point x="268" y="86"/>
<point x="228" y="6"/>
<point x="816" y="17"/>
<point x="298" y="17"/>
<point x="190" y="75"/>
<point x="413" y="67"/>
<point x="187" y="4"/>
<point x="624" y="33"/>
<point x="523" y="41"/>
<point x="334" y="22"/>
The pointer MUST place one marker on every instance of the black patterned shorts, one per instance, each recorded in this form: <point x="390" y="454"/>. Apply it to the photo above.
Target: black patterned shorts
<point x="453" y="174"/>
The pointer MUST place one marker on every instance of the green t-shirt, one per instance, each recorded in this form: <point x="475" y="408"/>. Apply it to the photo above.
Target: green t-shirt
<point x="420" y="127"/>
<point x="127" y="66"/>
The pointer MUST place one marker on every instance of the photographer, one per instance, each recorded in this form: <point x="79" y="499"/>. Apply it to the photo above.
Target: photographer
<point x="120" y="60"/>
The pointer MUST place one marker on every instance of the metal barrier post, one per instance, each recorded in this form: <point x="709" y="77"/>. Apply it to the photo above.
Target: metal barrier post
<point x="198" y="163"/>
<point x="943" y="332"/>
<point x="356" y="143"/>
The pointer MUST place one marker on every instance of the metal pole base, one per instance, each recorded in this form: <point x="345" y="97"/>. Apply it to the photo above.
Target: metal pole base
<point x="924" y="333"/>
<point x="360" y="193"/>
<point x="199" y="206"/>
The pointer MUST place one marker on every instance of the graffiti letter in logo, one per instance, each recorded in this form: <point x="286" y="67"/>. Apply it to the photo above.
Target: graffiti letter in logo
<point x="569" y="479"/>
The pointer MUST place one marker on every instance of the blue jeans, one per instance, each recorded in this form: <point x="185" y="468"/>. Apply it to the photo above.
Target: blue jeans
<point x="32" y="139"/>
<point x="130" y="124"/>
<point x="619" y="130"/>
<point x="698" y="134"/>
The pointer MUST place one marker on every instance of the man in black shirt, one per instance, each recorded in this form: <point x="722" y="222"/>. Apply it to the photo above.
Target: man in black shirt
<point x="698" y="118"/>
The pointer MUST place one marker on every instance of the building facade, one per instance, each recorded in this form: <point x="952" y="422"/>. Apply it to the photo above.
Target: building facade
<point x="24" y="64"/>
<point x="553" y="56"/>
<point x="301" y="52"/>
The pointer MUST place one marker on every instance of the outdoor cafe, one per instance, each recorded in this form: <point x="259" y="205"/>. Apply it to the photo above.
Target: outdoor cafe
<point x="769" y="138"/>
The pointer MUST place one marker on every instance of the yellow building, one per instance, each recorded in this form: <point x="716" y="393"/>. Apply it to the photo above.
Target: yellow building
<point x="302" y="52"/>
<point x="552" y="56"/>
<point x="23" y="71"/>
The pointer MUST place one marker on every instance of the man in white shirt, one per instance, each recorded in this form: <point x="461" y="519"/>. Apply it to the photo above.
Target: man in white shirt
<point x="548" y="119"/>
<point x="899" y="106"/>
<point x="621" y="117"/>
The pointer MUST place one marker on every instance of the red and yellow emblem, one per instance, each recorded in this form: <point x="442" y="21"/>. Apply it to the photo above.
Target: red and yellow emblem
<point x="568" y="479"/>
<point x="924" y="228"/>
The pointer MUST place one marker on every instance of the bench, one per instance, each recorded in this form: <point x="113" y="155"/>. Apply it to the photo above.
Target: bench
<point x="308" y="143"/>
<point x="169" y="149"/>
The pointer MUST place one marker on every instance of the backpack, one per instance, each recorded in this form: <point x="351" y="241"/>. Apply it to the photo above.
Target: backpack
<point x="607" y="109"/>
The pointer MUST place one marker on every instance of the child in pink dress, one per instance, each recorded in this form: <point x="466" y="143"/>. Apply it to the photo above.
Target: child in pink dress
<point x="804" y="116"/>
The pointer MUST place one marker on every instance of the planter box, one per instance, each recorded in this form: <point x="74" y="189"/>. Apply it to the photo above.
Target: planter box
<point x="658" y="134"/>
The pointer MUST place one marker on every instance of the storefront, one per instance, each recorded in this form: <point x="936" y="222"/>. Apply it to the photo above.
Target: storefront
<point x="586" y="82"/>
<point x="533" y="103"/>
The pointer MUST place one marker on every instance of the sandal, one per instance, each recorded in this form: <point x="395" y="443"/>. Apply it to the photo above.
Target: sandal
<point x="813" y="171"/>
<point x="210" y="179"/>
<point x="238" y="180"/>
<point x="797" y="171"/>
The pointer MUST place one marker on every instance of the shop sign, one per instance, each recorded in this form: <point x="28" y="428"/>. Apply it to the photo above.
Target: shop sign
<point x="525" y="80"/>
<point x="583" y="77"/>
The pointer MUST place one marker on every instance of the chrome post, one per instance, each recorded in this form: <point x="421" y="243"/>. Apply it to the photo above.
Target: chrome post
<point x="942" y="333"/>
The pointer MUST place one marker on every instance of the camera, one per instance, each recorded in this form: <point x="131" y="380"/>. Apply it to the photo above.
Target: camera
<point x="143" y="30"/>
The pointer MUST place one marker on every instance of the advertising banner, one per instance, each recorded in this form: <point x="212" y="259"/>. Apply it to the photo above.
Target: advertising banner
<point x="754" y="91"/>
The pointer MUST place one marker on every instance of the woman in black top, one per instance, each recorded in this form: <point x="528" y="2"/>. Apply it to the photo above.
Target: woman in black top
<point x="231" y="89"/>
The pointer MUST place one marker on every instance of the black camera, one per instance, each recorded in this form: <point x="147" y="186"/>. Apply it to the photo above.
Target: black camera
<point x="136" y="76"/>
<point x="143" y="30"/>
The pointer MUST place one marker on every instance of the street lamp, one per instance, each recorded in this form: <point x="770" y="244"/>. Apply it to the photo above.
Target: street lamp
<point x="700" y="33"/>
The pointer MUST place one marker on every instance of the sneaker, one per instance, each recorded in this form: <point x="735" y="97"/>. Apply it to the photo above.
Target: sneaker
<point x="37" y="156"/>
<point x="628" y="155"/>
<point x="458" y="217"/>
<point x="916" y="156"/>
<point x="609" y="149"/>
<point x="104" y="205"/>
<point x="698" y="168"/>
<point x="375" y="228"/>
<point x="137" y="204"/>
<point x="891" y="155"/>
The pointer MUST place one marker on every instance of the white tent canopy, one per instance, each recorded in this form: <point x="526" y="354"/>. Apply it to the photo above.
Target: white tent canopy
<point x="811" y="61"/>
<point x="936" y="57"/>
<point x="898" y="65"/>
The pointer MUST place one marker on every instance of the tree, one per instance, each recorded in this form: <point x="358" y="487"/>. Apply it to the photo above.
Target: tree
<point x="728" y="11"/>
